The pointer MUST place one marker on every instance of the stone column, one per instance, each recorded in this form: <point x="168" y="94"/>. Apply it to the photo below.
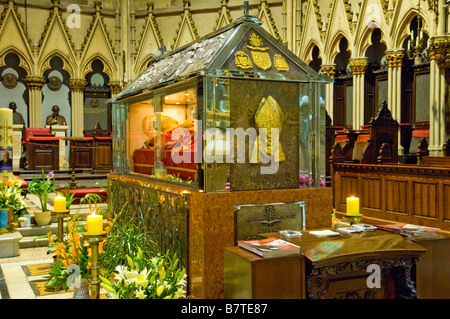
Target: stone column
<point x="35" y="84"/>
<point x="394" y="60"/>
<point x="358" y="67"/>
<point x="77" y="102"/>
<point x="329" y="70"/>
<point x="439" y="96"/>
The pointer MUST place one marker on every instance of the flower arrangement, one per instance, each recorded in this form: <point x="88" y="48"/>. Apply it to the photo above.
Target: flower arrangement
<point x="42" y="188"/>
<point x="22" y="219"/>
<point x="159" y="279"/>
<point x="11" y="196"/>
<point x="74" y="250"/>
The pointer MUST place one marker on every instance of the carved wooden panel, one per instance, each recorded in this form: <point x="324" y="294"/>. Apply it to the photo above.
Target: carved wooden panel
<point x="395" y="194"/>
<point x="371" y="188"/>
<point x="425" y="199"/>
<point x="446" y="202"/>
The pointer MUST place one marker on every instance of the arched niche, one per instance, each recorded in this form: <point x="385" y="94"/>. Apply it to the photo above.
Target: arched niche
<point x="343" y="86"/>
<point x="13" y="87"/>
<point x="56" y="92"/>
<point x="415" y="89"/>
<point x="316" y="59"/>
<point x="96" y="94"/>
<point x="376" y="77"/>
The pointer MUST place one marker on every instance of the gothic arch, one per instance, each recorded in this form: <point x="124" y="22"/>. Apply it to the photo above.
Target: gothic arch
<point x="400" y="32"/>
<point x="24" y="61"/>
<point x="67" y="65"/>
<point x="367" y="42"/>
<point x="87" y="66"/>
<point x="309" y="48"/>
<point x="333" y="47"/>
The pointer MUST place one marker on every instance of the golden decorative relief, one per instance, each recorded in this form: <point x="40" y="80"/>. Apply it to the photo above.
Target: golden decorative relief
<point x="242" y="60"/>
<point x="268" y="116"/>
<point x="262" y="60"/>
<point x="256" y="43"/>
<point x="280" y="63"/>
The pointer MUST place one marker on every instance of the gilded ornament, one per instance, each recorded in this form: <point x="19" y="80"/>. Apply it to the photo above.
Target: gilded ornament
<point x="280" y="63"/>
<point x="262" y="60"/>
<point x="256" y="43"/>
<point x="394" y="58"/>
<point x="358" y="66"/>
<point x="268" y="116"/>
<point x="242" y="60"/>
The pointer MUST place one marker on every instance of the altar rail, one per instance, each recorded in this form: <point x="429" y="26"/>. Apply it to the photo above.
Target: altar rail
<point x="415" y="194"/>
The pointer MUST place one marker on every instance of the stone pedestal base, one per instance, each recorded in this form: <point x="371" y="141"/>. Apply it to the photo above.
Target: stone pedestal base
<point x="9" y="244"/>
<point x="17" y="145"/>
<point x="60" y="130"/>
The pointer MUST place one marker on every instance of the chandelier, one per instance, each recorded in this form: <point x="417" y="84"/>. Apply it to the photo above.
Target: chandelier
<point x="416" y="42"/>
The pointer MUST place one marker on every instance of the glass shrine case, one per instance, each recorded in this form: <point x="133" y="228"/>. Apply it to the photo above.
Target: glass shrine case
<point x="232" y="111"/>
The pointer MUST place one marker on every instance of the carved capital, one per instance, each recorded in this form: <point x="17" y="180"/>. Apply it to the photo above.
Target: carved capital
<point x="115" y="87"/>
<point x="394" y="58"/>
<point x="358" y="65"/>
<point x="440" y="51"/>
<point x="35" y="82"/>
<point x="328" y="70"/>
<point x="77" y="85"/>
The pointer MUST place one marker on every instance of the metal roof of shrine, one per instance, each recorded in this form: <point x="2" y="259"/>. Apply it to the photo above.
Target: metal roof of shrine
<point x="241" y="49"/>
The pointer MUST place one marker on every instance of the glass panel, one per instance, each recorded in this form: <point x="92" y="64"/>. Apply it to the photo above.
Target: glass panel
<point x="422" y="98"/>
<point x="217" y="135"/>
<point x="382" y="93"/>
<point x="161" y="135"/>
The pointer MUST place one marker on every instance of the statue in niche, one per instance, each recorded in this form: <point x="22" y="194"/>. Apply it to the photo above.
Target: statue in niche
<point x="17" y="117"/>
<point x="55" y="118"/>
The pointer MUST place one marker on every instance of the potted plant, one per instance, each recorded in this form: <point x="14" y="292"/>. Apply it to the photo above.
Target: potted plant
<point x="22" y="221"/>
<point x="11" y="200"/>
<point x="42" y="189"/>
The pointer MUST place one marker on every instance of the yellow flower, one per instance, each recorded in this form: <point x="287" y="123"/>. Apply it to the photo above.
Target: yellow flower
<point x="160" y="290"/>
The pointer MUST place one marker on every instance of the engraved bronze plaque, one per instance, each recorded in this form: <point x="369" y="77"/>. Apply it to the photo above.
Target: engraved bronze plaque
<point x="252" y="220"/>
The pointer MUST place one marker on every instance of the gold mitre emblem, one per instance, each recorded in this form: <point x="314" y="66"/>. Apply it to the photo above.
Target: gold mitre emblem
<point x="242" y="60"/>
<point x="268" y="116"/>
<point x="280" y="63"/>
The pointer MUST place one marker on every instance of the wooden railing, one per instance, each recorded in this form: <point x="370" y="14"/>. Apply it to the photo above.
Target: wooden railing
<point x="415" y="194"/>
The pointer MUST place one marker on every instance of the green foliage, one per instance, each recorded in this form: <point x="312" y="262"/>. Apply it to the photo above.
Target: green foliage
<point x="42" y="188"/>
<point x="59" y="275"/>
<point x="125" y="238"/>
<point x="158" y="278"/>
<point x="11" y="197"/>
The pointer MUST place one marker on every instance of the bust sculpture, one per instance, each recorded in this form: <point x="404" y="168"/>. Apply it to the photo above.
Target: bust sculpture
<point x="17" y="117"/>
<point x="55" y="118"/>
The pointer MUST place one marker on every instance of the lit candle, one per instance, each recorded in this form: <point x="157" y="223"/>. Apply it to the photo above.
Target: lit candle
<point x="352" y="206"/>
<point x="59" y="204"/>
<point x="94" y="224"/>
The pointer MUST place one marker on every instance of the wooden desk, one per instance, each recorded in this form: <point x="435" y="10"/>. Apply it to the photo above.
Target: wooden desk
<point x="248" y="276"/>
<point x="80" y="152"/>
<point x="336" y="267"/>
<point x="43" y="153"/>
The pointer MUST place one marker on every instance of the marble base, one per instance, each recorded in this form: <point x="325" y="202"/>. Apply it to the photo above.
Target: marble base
<point x="9" y="244"/>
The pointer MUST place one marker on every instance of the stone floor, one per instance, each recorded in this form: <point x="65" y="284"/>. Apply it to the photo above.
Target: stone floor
<point x="16" y="282"/>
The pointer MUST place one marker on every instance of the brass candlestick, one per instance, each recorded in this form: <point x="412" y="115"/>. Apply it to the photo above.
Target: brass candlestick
<point x="353" y="219"/>
<point x="94" y="281"/>
<point x="60" y="216"/>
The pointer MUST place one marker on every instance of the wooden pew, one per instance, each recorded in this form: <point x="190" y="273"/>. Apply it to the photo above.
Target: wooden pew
<point x="424" y="158"/>
<point x="364" y="146"/>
